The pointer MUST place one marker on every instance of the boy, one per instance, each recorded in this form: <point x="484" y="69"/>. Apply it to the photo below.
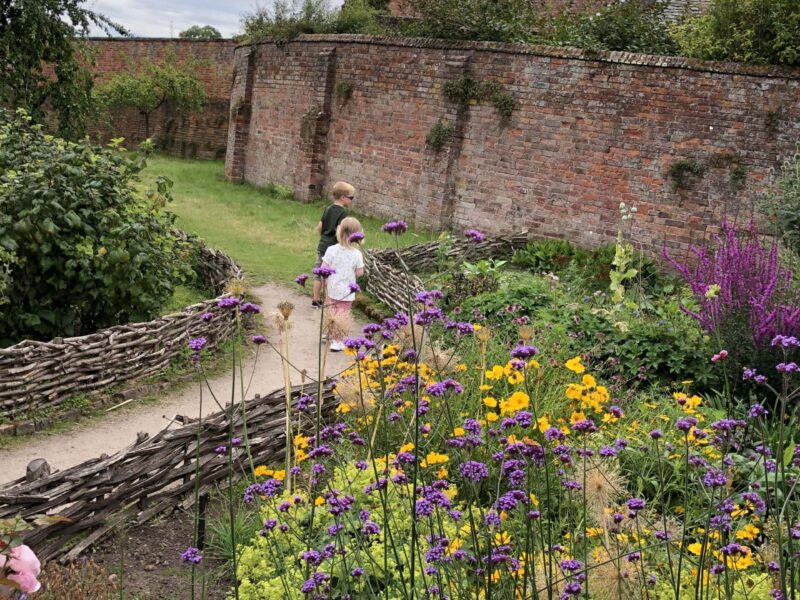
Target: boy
<point x="343" y="194"/>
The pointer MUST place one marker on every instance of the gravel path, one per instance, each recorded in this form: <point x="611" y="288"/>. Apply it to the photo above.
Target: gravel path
<point x="119" y="428"/>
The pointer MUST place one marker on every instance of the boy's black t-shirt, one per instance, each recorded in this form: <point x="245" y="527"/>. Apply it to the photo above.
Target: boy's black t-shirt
<point x="331" y="218"/>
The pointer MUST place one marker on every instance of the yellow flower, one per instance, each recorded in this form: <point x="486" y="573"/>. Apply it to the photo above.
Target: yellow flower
<point x="593" y="532"/>
<point x="576" y="416"/>
<point x="589" y="381"/>
<point x="543" y="424"/>
<point x="748" y="532"/>
<point x="279" y="475"/>
<point x="301" y="441"/>
<point x="574" y="365"/>
<point x="490" y="402"/>
<point x="491" y="417"/>
<point x="534" y="364"/>
<point x="516" y="377"/>
<point x="517" y="401"/>
<point x="458" y="431"/>
<point x="695" y="548"/>
<point x="343" y="409"/>
<point x="319" y="501"/>
<point x="460" y="368"/>
<point x="485" y="387"/>
<point x="575" y="391"/>
<point x="495" y="373"/>
<point x="502" y="538"/>
<point x="406" y="447"/>
<point x="533" y="499"/>
<point x="441" y="473"/>
<point x="262" y="471"/>
<point x="434" y="458"/>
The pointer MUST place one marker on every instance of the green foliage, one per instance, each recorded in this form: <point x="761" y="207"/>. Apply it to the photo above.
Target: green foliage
<point x="439" y="134"/>
<point x="35" y="33"/>
<point x="200" y="32"/>
<point x="467" y="89"/>
<point x="88" y="250"/>
<point x="147" y="87"/>
<point x="546" y="255"/>
<point x="524" y="294"/>
<point x="632" y="26"/>
<point x="269" y="562"/>
<point x="781" y="205"/>
<point x="344" y="90"/>
<point x="682" y="172"/>
<point x="284" y="21"/>
<point x="491" y="20"/>
<point x="504" y="103"/>
<point x="753" y="31"/>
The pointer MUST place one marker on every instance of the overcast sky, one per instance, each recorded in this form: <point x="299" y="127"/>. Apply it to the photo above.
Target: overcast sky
<point x="167" y="18"/>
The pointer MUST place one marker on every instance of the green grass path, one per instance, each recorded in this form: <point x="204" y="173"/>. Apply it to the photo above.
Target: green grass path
<point x="271" y="235"/>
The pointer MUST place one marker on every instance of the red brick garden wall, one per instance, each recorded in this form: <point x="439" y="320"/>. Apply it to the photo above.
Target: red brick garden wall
<point x="200" y="135"/>
<point x="587" y="132"/>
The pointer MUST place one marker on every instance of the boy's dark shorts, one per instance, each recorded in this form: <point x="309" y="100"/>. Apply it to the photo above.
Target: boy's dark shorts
<point x="317" y="265"/>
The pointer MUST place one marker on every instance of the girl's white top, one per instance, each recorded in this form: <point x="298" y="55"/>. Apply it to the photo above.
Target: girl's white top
<point x="345" y="261"/>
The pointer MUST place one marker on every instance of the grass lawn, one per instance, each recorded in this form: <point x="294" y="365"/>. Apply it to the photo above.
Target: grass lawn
<point x="271" y="235"/>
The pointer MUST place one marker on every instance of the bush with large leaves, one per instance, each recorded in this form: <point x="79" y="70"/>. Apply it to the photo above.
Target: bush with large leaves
<point x="82" y="247"/>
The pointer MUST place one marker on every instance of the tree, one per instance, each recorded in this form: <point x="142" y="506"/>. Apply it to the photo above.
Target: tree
<point x="42" y="59"/>
<point x="148" y="87"/>
<point x="198" y="32"/>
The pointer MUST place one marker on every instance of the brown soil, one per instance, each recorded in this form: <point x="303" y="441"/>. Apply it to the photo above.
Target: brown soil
<point x="147" y="562"/>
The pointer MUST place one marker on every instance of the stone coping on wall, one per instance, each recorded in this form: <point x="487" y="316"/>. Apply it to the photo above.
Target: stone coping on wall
<point x="155" y="39"/>
<point x="627" y="58"/>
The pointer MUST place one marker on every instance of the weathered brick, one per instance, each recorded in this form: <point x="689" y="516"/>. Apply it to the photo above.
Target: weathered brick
<point x="588" y="131"/>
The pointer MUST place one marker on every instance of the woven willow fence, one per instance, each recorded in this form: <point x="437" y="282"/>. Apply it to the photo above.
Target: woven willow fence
<point x="392" y="273"/>
<point x="35" y="376"/>
<point x="149" y="477"/>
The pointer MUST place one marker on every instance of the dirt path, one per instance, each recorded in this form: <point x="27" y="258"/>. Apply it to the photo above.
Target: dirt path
<point x="118" y="429"/>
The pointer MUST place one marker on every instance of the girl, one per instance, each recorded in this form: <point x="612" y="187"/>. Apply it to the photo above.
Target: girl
<point x="346" y="259"/>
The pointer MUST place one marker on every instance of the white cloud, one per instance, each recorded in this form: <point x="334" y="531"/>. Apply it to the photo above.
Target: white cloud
<point x="167" y="18"/>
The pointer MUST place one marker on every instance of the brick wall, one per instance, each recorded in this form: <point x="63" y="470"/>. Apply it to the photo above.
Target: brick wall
<point x="588" y="131"/>
<point x="201" y="135"/>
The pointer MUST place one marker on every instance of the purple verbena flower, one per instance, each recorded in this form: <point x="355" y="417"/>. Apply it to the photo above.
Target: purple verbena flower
<point x="474" y="235"/>
<point x="395" y="227"/>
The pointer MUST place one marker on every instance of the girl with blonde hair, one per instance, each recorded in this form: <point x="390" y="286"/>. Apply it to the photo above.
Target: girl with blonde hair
<point x="348" y="263"/>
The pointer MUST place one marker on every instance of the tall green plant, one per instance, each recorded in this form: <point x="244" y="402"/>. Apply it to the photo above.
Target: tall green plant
<point x="84" y="248"/>
<point x="39" y="35"/>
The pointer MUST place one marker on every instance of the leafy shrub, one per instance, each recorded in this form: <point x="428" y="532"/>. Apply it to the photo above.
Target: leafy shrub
<point x="284" y="21"/>
<point x="87" y="249"/>
<point x="753" y="31"/>
<point x="546" y="255"/>
<point x="632" y="26"/>
<point x="491" y="20"/>
<point x="516" y="297"/>
<point x="782" y="203"/>
<point x="745" y="297"/>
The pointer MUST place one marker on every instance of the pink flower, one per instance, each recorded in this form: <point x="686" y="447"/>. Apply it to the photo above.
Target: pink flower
<point x="723" y="354"/>
<point x="25" y="566"/>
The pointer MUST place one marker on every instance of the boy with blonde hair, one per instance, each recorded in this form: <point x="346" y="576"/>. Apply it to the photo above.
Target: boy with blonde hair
<point x="333" y="215"/>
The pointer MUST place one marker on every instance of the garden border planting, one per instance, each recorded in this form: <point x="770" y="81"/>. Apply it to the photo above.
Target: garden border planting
<point x="391" y="285"/>
<point x="35" y="376"/>
<point x="149" y="477"/>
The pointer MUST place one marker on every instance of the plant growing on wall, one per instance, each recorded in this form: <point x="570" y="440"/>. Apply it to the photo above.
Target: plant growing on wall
<point x="682" y="172"/>
<point x="466" y="89"/>
<point x="439" y="135"/>
<point x="147" y="87"/>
